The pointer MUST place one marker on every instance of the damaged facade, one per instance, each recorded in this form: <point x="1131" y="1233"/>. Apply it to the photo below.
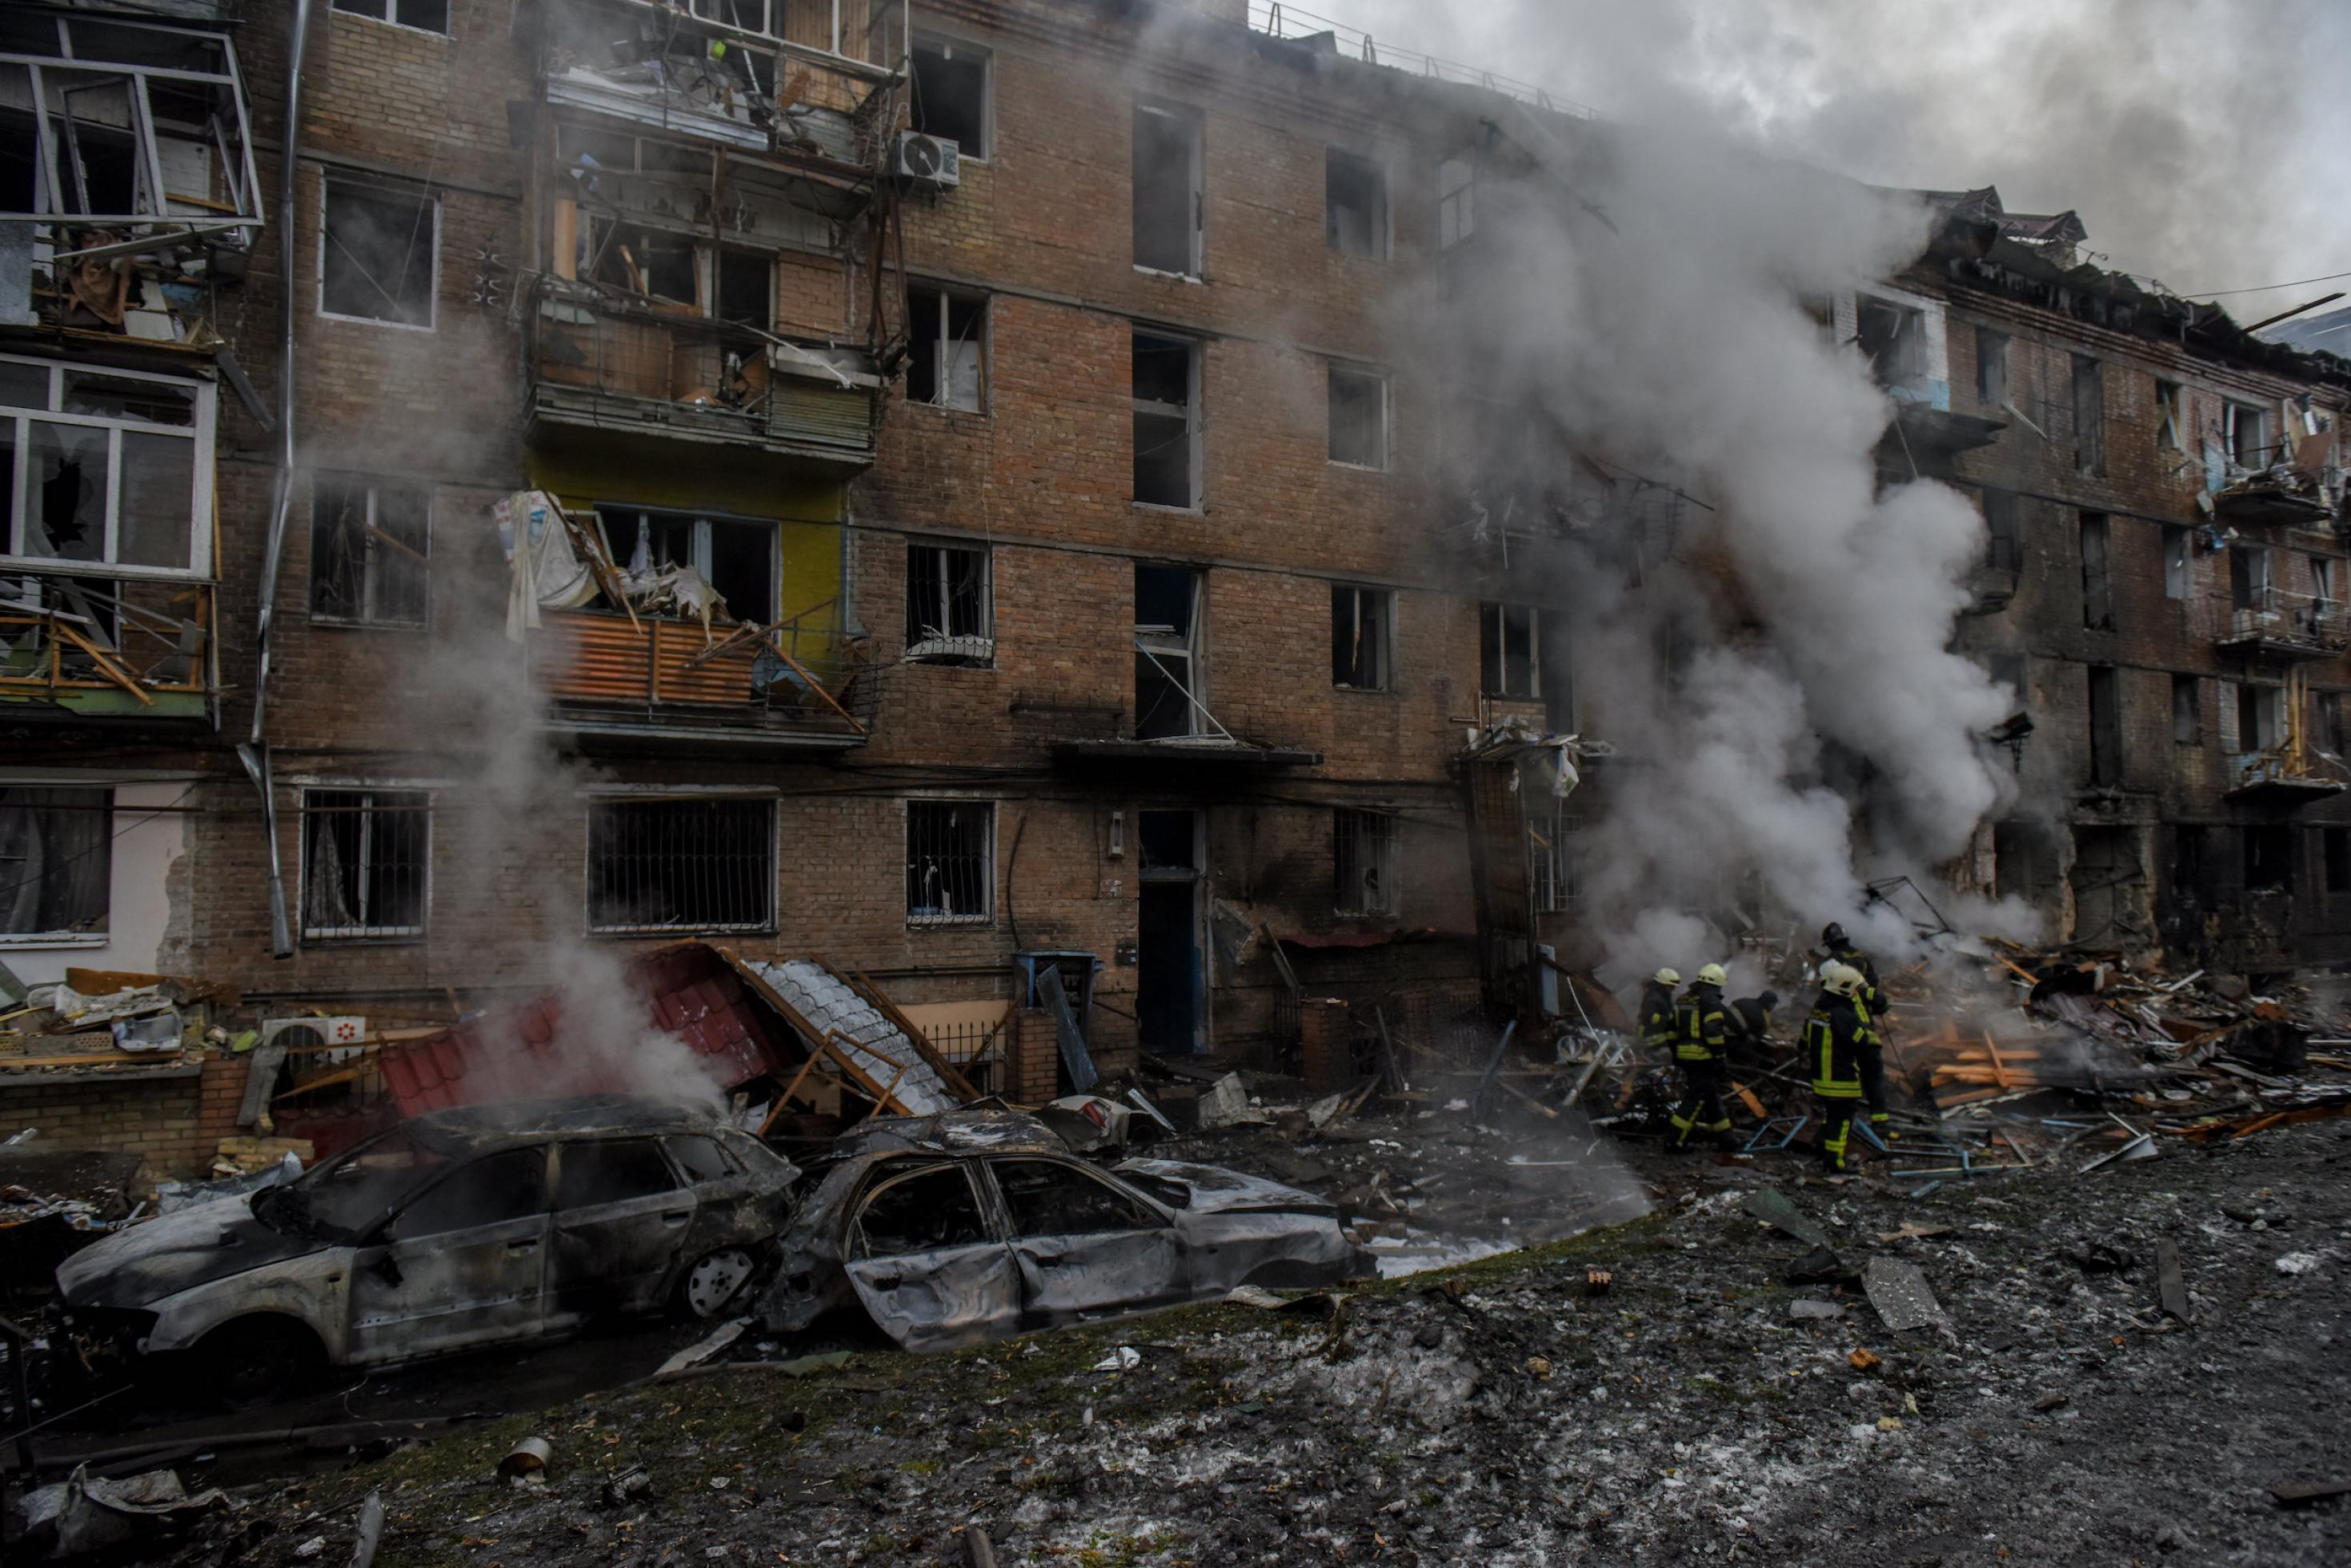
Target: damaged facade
<point x="944" y="481"/>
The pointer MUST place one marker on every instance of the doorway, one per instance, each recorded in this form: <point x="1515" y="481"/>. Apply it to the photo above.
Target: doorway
<point x="1171" y="979"/>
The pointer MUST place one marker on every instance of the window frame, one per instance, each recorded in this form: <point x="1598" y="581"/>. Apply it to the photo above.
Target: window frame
<point x="601" y="802"/>
<point x="702" y="518"/>
<point x="390" y="18"/>
<point x="1383" y="614"/>
<point x="364" y="932"/>
<point x="2088" y="387"/>
<point x="1196" y="467"/>
<point x="431" y="197"/>
<point x="2234" y="414"/>
<point x="946" y="298"/>
<point x="1193" y="119"/>
<point x="1386" y="843"/>
<point x="1159" y="648"/>
<point x="1334" y="371"/>
<point x="2170" y="410"/>
<point x="945" y="44"/>
<point x="2179" y="561"/>
<point x="2187" y="710"/>
<point x="104" y="850"/>
<point x="1495" y="613"/>
<point x="1456" y="205"/>
<point x="951" y="647"/>
<point x="368" y="618"/>
<point x="922" y="919"/>
<point x="1995" y="352"/>
<point x="1555" y="882"/>
<point x="20" y="477"/>
<point x="1381" y="220"/>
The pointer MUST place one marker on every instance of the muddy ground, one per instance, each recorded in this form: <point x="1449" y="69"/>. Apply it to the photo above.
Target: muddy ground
<point x="1497" y="1412"/>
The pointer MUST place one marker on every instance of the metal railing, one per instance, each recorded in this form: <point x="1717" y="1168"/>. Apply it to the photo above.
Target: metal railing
<point x="1288" y="21"/>
<point x="2276" y="615"/>
<point x="85" y="640"/>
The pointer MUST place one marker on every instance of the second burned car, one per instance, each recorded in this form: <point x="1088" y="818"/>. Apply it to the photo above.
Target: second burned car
<point x="967" y="1226"/>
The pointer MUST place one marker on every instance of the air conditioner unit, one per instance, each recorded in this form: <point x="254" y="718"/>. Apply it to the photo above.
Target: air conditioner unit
<point x="341" y="1037"/>
<point x="930" y="161"/>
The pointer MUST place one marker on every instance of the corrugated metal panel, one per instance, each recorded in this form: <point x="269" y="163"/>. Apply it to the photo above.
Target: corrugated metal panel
<point x="839" y="418"/>
<point x="604" y="657"/>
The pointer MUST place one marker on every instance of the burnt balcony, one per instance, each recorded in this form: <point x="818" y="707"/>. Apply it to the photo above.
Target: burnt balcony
<point x="635" y="366"/>
<point x="616" y="680"/>
<point x="2282" y="777"/>
<point x="2286" y="627"/>
<point x="2281" y="496"/>
<point x="81" y="646"/>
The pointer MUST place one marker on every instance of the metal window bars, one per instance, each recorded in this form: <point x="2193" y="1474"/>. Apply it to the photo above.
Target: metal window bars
<point x="950" y="862"/>
<point x="366" y="863"/>
<point x="703" y="865"/>
<point x="369" y="553"/>
<point x="947" y="609"/>
<point x="1363" y="859"/>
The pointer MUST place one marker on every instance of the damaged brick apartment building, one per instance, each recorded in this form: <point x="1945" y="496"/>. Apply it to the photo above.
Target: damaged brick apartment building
<point x="943" y="483"/>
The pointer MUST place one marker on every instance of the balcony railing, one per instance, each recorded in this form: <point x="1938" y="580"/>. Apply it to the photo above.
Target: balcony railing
<point x="94" y="646"/>
<point x="610" y="365"/>
<point x="798" y="681"/>
<point x="2288" y="626"/>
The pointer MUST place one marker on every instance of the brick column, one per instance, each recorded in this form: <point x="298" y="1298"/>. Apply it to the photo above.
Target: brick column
<point x="1033" y="1074"/>
<point x="1324" y="1035"/>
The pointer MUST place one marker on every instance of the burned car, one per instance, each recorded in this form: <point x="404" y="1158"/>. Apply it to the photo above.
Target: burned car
<point x="949" y="1229"/>
<point x="454" y="1230"/>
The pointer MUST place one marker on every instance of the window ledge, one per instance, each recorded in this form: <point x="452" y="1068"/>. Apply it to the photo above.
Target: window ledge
<point x="398" y="937"/>
<point x="1201" y="510"/>
<point x="388" y="22"/>
<point x="928" y="923"/>
<point x="1175" y="276"/>
<point x="1362" y="690"/>
<point x="1358" y="467"/>
<point x="54" y="940"/>
<point x="981" y="412"/>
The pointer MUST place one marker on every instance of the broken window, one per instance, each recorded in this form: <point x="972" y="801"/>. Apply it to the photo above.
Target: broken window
<point x="2269" y="858"/>
<point x="2187" y="711"/>
<point x="950" y="861"/>
<point x="2261" y="717"/>
<point x="2168" y="422"/>
<point x="425" y="15"/>
<point x="1166" y="380"/>
<point x="1509" y="638"/>
<point x="2004" y="545"/>
<point x="1360" y="633"/>
<point x="1550" y="839"/>
<point x="1364" y="852"/>
<point x="700" y="1158"/>
<point x="1894" y="340"/>
<point x="1046" y="1197"/>
<point x="681" y="866"/>
<point x="2190" y="861"/>
<point x="379" y="253"/>
<point x="2098" y="578"/>
<point x="610" y="1170"/>
<point x="371" y="546"/>
<point x="735" y="556"/>
<point x="2105" y="725"/>
<point x="2248" y="436"/>
<point x="510" y="1185"/>
<point x="746" y="288"/>
<point x="1354" y="204"/>
<point x="117" y="467"/>
<point x="2330" y="711"/>
<point x="2089" y="415"/>
<point x="1167" y="653"/>
<point x="57" y="861"/>
<point x="947" y="336"/>
<point x="1167" y="187"/>
<point x="365" y="859"/>
<point x="1992" y="368"/>
<point x="2249" y="578"/>
<point x="1456" y="202"/>
<point x="2177" y="562"/>
<point x="951" y="93"/>
<point x="1359" y="418"/>
<point x="654" y="263"/>
<point x="947" y="607"/>
<point x="921" y="1212"/>
<point x="2334" y="849"/>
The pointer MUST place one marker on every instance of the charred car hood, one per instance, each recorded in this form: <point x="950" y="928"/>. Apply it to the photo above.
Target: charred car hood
<point x="175" y="1253"/>
<point x="1217" y="1190"/>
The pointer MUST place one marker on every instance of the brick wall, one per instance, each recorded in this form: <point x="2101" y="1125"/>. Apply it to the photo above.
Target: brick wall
<point x="161" y="1118"/>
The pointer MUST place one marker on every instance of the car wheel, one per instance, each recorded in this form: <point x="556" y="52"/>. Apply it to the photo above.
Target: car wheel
<point x="713" y="1281"/>
<point x="253" y="1360"/>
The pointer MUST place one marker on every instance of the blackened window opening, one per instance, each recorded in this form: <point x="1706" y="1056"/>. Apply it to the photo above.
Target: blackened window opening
<point x="370" y="547"/>
<point x="944" y="348"/>
<point x="2335" y="847"/>
<point x="1167" y="649"/>
<point x="379" y="246"/>
<point x="1992" y="368"/>
<point x="2004" y="547"/>
<point x="1359" y="639"/>
<point x="1166" y="189"/>
<point x="947" y="620"/>
<point x="736" y="556"/>
<point x="2269" y="858"/>
<point x="1165" y="388"/>
<point x="1359" y="418"/>
<point x="2097" y="576"/>
<point x="2089" y="415"/>
<point x="681" y="865"/>
<point x="2105" y="725"/>
<point x="949" y="861"/>
<point x="57" y="861"/>
<point x="746" y="288"/>
<point x="1363" y="862"/>
<point x="950" y="96"/>
<point x="1354" y="204"/>
<point x="364" y="863"/>
<point x="2187" y="711"/>
<point x="1894" y="340"/>
<point x="1506" y="643"/>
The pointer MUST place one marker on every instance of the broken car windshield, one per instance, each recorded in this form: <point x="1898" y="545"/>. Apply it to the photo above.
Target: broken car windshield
<point x="347" y="1194"/>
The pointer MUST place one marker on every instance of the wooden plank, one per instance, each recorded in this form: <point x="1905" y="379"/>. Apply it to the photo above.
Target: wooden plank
<point x="790" y="1089"/>
<point x="106" y="665"/>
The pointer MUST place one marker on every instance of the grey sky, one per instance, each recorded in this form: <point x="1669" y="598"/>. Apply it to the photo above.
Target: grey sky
<point x="2203" y="142"/>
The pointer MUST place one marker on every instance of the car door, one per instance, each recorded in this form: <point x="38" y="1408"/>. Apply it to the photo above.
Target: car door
<point x="620" y="1221"/>
<point x="925" y="1263"/>
<point x="460" y="1263"/>
<point x="1085" y="1245"/>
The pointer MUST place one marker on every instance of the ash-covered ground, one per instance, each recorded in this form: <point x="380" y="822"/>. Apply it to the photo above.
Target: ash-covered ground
<point x="1499" y="1412"/>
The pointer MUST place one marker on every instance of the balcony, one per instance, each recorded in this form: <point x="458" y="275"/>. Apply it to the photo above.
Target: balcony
<point x="2281" y="777"/>
<point x="2288" y="628"/>
<point x="797" y="684"/>
<point x="91" y="646"/>
<point x="2282" y="495"/>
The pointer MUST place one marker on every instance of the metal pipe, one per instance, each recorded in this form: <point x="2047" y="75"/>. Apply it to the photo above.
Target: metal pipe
<point x="256" y="753"/>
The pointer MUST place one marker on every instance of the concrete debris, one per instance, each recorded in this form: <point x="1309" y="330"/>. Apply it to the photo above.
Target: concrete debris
<point x="1805" y="1310"/>
<point x="86" y="1513"/>
<point x="1903" y="1298"/>
<point x="2298" y="1263"/>
<point x="1225" y="1103"/>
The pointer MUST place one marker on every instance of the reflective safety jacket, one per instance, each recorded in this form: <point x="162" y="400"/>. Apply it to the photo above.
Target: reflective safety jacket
<point x="1834" y="1037"/>
<point x="1866" y="996"/>
<point x="1699" y="1023"/>
<point x="1658" y="1017"/>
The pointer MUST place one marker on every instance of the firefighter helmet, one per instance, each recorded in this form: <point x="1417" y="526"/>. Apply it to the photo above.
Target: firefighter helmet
<point x="1840" y="979"/>
<point x="1712" y="975"/>
<point x="1667" y="977"/>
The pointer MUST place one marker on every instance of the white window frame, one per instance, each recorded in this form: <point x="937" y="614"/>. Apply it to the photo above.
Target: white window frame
<point x="2170" y="411"/>
<point x="431" y="199"/>
<point x="985" y="917"/>
<point x="931" y="555"/>
<point x="390" y="18"/>
<point x="1337" y="368"/>
<point x="947" y="46"/>
<point x="200" y="503"/>
<point x="1386" y="841"/>
<point x="367" y="793"/>
<point x="2234" y="414"/>
<point x="368" y="615"/>
<point x="927" y="296"/>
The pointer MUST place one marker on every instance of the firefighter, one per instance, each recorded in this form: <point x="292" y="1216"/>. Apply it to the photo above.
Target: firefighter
<point x="1751" y="1019"/>
<point x="1833" y="1042"/>
<point x="1658" y="1011"/>
<point x="1700" y="1029"/>
<point x="1871" y="1000"/>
